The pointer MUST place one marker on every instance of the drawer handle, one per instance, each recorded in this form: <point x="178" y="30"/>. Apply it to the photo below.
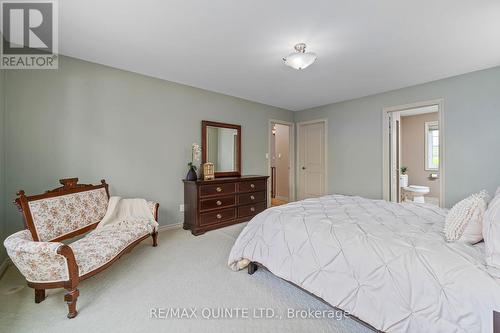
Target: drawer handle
<point x="219" y="202"/>
<point x="219" y="216"/>
<point x="252" y="185"/>
<point x="218" y="189"/>
<point x="252" y="197"/>
<point x="252" y="209"/>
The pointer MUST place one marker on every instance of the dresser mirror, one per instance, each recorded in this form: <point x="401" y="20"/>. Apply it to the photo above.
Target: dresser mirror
<point x="221" y="145"/>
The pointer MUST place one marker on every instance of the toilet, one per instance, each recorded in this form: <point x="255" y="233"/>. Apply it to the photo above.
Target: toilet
<point x="416" y="193"/>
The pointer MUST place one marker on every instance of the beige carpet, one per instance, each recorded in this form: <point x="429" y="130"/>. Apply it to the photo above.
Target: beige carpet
<point x="182" y="272"/>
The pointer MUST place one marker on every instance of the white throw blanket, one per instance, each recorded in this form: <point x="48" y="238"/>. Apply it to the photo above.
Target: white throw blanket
<point x="120" y="209"/>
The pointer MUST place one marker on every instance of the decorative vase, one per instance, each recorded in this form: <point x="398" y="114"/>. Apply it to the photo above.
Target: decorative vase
<point x="191" y="175"/>
<point x="403" y="180"/>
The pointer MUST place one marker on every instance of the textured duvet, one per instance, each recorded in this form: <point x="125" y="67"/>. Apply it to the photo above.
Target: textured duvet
<point x="385" y="263"/>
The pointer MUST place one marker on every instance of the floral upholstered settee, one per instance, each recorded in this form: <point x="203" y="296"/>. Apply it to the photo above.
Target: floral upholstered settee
<point x="64" y="213"/>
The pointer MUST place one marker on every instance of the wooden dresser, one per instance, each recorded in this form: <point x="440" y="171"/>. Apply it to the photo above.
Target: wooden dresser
<point x="212" y="204"/>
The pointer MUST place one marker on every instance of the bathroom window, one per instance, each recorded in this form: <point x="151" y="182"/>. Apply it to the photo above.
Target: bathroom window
<point x="432" y="146"/>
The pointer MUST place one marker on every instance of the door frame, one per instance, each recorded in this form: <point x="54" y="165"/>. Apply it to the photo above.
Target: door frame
<point x="325" y="124"/>
<point x="291" y="156"/>
<point x="385" y="144"/>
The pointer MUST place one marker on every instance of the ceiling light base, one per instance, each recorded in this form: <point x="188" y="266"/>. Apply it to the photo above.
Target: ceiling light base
<point x="300" y="47"/>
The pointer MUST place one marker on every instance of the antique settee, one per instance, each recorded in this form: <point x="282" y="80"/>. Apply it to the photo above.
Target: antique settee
<point x="63" y="213"/>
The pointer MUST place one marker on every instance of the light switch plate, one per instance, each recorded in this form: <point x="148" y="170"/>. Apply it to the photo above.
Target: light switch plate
<point x="181" y="208"/>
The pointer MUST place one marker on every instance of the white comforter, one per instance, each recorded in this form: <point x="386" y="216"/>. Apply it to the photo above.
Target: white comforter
<point x="385" y="263"/>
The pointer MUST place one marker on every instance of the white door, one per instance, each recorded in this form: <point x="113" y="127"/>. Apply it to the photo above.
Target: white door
<point x="395" y="156"/>
<point x="312" y="160"/>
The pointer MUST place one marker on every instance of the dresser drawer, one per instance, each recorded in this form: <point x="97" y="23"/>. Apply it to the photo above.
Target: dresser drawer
<point x="217" y="189"/>
<point x="251" y="210"/>
<point x="218" y="216"/>
<point x="252" y="186"/>
<point x="249" y="198"/>
<point x="218" y="202"/>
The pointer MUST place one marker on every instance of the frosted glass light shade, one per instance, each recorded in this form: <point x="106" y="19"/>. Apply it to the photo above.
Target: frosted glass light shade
<point x="300" y="60"/>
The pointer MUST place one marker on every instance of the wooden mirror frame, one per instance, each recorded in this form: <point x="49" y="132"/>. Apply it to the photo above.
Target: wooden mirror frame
<point x="204" y="125"/>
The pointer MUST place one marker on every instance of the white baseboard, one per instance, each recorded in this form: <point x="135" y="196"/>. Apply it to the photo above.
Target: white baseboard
<point x="4" y="265"/>
<point x="169" y="227"/>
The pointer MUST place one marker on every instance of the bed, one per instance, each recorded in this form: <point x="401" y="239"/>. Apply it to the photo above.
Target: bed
<point x="384" y="263"/>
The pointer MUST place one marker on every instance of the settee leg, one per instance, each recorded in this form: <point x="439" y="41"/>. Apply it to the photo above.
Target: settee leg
<point x="155" y="238"/>
<point x="39" y="295"/>
<point x="252" y="268"/>
<point x="70" y="297"/>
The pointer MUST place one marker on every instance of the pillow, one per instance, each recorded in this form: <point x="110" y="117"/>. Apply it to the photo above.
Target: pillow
<point x="464" y="221"/>
<point x="491" y="232"/>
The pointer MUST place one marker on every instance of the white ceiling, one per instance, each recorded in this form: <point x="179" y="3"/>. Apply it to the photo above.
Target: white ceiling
<point x="235" y="47"/>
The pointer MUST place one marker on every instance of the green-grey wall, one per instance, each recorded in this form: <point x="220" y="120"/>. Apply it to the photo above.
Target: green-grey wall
<point x="471" y="131"/>
<point x="3" y="254"/>
<point x="90" y="121"/>
<point x="95" y="122"/>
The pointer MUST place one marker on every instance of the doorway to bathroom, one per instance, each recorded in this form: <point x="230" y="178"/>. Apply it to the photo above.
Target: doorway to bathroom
<point x="281" y="162"/>
<point x="414" y="153"/>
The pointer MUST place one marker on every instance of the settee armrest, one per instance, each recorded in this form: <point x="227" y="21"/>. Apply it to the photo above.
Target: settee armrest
<point x="37" y="261"/>
<point x="153" y="206"/>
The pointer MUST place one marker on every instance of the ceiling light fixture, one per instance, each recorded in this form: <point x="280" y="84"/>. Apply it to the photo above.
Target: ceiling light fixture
<point x="300" y="59"/>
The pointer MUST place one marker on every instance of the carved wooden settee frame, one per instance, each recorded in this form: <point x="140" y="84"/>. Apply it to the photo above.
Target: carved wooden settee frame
<point x="71" y="186"/>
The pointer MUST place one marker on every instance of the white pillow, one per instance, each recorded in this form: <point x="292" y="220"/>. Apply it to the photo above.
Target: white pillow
<point x="491" y="232"/>
<point x="464" y="221"/>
